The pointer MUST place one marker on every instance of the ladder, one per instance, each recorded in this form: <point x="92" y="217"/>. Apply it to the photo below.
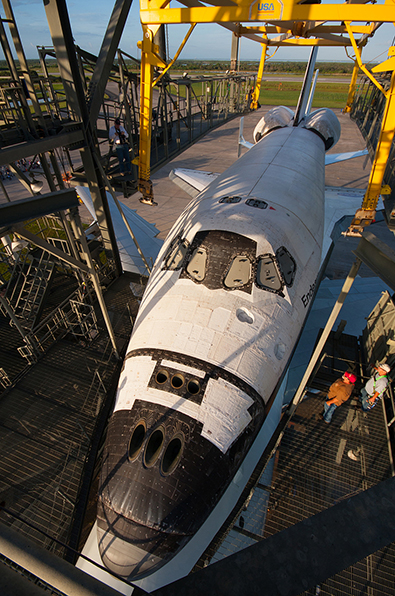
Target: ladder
<point x="33" y="284"/>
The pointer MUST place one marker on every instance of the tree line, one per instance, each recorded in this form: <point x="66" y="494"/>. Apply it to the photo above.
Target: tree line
<point x="223" y="66"/>
<point x="270" y="67"/>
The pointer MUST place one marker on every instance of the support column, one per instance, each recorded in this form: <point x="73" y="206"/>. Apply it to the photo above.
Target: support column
<point x="14" y="74"/>
<point x="79" y="233"/>
<point x="257" y="90"/>
<point x="352" y="88"/>
<point x="367" y="213"/>
<point x="325" y="334"/>
<point x="60" y="28"/>
<point x="234" y="52"/>
<point x="146" y="80"/>
<point x="23" y="62"/>
<point x="106" y="57"/>
<point x="62" y="39"/>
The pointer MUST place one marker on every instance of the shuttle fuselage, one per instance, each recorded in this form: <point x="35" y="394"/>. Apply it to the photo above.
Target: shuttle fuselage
<point x="218" y="322"/>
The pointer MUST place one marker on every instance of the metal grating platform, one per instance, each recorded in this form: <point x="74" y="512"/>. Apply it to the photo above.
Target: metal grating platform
<point x="49" y="425"/>
<point x="245" y="531"/>
<point x="311" y="472"/>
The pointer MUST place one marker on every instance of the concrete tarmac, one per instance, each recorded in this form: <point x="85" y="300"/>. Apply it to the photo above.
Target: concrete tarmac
<point x="217" y="151"/>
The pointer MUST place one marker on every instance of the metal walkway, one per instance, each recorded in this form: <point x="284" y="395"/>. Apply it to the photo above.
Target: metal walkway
<point x="311" y="472"/>
<point x="51" y="422"/>
<point x="291" y="496"/>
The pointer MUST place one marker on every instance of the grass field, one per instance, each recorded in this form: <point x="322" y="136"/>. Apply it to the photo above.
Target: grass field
<point x="330" y="95"/>
<point x="286" y="93"/>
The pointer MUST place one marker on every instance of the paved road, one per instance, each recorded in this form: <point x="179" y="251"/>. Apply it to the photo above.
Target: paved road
<point x="283" y="77"/>
<point x="299" y="78"/>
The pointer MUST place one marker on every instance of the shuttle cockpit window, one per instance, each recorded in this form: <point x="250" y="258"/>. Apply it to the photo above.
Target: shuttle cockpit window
<point x="221" y="260"/>
<point x="267" y="275"/>
<point x="239" y="273"/>
<point x="287" y="265"/>
<point x="196" y="267"/>
<point x="257" y="203"/>
<point x="176" y="254"/>
<point x="230" y="199"/>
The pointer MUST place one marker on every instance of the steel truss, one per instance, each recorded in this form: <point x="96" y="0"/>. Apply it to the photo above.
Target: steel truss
<point x="274" y="24"/>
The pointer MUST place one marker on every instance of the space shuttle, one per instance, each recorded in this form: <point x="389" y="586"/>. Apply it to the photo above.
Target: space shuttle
<point x="199" y="395"/>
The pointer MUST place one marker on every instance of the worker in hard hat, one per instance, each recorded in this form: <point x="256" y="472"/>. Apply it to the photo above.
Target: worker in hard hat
<point x="339" y="392"/>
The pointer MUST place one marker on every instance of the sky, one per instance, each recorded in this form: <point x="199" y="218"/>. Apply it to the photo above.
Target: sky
<point x="89" y="19"/>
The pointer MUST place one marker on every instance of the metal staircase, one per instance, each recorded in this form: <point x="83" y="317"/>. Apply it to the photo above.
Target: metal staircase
<point x="28" y="294"/>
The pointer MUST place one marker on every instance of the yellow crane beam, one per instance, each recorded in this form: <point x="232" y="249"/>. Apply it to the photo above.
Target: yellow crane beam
<point x="292" y="23"/>
<point x="151" y="12"/>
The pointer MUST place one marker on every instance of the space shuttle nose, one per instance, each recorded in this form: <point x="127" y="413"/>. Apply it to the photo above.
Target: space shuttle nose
<point x="125" y="559"/>
<point x="130" y="549"/>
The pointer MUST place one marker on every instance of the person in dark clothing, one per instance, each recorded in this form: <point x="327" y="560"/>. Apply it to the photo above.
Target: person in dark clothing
<point x="118" y="134"/>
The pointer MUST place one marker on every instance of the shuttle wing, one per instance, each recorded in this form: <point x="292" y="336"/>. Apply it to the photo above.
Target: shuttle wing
<point x="192" y="181"/>
<point x="144" y="232"/>
<point x="331" y="158"/>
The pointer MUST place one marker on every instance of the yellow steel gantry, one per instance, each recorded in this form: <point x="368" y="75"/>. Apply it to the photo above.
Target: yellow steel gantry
<point x="366" y="214"/>
<point x="273" y="23"/>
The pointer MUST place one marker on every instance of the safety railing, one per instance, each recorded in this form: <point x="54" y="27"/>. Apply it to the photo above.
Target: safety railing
<point x="367" y="111"/>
